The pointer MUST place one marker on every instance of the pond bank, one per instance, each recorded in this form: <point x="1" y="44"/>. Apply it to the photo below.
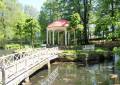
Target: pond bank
<point x="80" y="56"/>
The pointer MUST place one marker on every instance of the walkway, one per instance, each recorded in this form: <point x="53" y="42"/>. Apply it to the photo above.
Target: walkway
<point x="19" y="66"/>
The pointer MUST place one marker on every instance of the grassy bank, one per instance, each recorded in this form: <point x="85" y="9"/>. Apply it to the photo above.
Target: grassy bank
<point x="78" y="55"/>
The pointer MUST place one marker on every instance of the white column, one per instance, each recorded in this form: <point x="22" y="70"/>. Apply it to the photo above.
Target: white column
<point x="65" y="37"/>
<point x="68" y="38"/>
<point x="47" y="37"/>
<point x="58" y="38"/>
<point x="53" y="38"/>
<point x="74" y="38"/>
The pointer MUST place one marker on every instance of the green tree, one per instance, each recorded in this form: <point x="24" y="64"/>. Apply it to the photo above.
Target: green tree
<point x="75" y="25"/>
<point x="19" y="31"/>
<point x="31" y="27"/>
<point x="7" y="20"/>
<point x="102" y="26"/>
<point x="1" y="4"/>
<point x="109" y="8"/>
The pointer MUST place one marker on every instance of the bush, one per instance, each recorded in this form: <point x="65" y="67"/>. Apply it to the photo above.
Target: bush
<point x="12" y="46"/>
<point x="100" y="50"/>
<point x="118" y="64"/>
<point x="116" y="50"/>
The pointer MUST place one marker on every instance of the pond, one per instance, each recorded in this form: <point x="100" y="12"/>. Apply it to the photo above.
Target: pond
<point x="71" y="73"/>
<point x="5" y="52"/>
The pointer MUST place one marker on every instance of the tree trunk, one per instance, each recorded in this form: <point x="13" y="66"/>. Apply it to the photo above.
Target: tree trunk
<point x="103" y="34"/>
<point x="112" y="15"/>
<point x="85" y="21"/>
<point x="20" y="39"/>
<point x="74" y="38"/>
<point x="32" y="38"/>
<point x="4" y="41"/>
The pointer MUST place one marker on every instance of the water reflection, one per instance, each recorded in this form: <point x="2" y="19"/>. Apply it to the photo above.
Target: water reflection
<point x="5" y="52"/>
<point x="74" y="74"/>
<point x="51" y="78"/>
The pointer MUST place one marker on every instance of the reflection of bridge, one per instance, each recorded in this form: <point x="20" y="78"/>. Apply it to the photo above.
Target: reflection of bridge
<point x="51" y="77"/>
<point x="19" y="66"/>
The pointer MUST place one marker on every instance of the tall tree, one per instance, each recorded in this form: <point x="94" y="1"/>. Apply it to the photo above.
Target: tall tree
<point x="109" y="8"/>
<point x="75" y="25"/>
<point x="31" y="27"/>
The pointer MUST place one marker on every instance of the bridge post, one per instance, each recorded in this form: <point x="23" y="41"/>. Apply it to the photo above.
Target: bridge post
<point x="3" y="73"/>
<point x="49" y="67"/>
<point x="27" y="81"/>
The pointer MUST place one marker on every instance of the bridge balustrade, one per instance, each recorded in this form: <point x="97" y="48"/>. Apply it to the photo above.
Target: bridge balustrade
<point x="18" y="66"/>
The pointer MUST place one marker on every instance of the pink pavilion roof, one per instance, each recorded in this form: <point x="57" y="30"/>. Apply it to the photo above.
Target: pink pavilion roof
<point x="58" y="25"/>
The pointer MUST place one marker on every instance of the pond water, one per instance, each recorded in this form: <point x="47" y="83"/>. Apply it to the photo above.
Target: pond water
<point x="5" y="52"/>
<point x="71" y="73"/>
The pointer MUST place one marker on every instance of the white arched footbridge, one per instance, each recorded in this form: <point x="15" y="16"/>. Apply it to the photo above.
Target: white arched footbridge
<point x="18" y="66"/>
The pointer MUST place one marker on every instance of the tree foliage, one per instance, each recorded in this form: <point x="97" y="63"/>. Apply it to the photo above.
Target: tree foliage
<point x="12" y="23"/>
<point x="23" y="26"/>
<point x="75" y="22"/>
<point x="31" y="27"/>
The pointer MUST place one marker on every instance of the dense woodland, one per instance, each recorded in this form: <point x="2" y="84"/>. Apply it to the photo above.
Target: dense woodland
<point x="24" y="25"/>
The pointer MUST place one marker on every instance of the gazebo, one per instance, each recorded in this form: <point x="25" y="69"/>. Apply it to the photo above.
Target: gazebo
<point x="57" y="27"/>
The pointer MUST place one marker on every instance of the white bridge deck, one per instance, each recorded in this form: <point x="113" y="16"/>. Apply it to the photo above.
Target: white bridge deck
<point x="18" y="66"/>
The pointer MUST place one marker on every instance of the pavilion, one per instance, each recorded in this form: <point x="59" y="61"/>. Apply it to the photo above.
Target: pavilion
<point x="57" y="27"/>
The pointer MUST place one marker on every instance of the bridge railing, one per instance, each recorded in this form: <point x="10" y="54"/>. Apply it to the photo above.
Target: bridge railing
<point x="14" y="65"/>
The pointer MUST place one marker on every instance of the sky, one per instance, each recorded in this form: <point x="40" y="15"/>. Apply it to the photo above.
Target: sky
<point x="35" y="3"/>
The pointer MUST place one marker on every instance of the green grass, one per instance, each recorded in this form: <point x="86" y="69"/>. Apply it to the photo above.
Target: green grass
<point x="12" y="46"/>
<point x="69" y="51"/>
<point x="78" y="54"/>
<point x="100" y="50"/>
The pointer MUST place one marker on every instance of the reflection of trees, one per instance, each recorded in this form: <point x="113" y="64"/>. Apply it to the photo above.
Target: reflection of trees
<point x="68" y="70"/>
<point x="71" y="74"/>
<point x="101" y="75"/>
<point x="68" y="73"/>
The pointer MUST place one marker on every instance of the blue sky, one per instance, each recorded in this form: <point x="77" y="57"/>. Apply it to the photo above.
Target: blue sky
<point x="35" y="3"/>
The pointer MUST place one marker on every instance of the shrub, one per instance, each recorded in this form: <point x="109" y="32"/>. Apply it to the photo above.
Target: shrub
<point x="118" y="64"/>
<point x="12" y="46"/>
<point x="116" y="50"/>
